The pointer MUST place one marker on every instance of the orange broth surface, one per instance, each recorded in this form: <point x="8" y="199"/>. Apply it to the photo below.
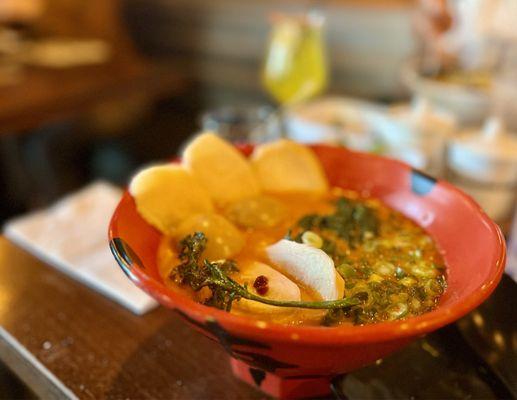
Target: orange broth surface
<point x="396" y="272"/>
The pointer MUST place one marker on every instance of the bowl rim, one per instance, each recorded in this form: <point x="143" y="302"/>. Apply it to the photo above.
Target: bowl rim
<point x="320" y="335"/>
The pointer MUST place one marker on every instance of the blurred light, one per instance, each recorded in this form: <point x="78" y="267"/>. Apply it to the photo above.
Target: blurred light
<point x="430" y="349"/>
<point x="478" y="319"/>
<point x="499" y="339"/>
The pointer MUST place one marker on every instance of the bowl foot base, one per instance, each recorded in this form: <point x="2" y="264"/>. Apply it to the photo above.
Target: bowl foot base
<point x="281" y="387"/>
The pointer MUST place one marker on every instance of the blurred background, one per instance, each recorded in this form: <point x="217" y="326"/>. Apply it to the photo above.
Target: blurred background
<point x="94" y="89"/>
<point x="114" y="83"/>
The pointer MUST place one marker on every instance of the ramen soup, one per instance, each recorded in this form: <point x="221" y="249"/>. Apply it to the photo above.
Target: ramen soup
<point x="300" y="253"/>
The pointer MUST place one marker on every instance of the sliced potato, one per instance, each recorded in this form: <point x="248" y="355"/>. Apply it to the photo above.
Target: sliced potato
<point x="167" y="194"/>
<point x="166" y="258"/>
<point x="224" y="239"/>
<point x="256" y="212"/>
<point x="285" y="166"/>
<point x="221" y="169"/>
<point x="309" y="265"/>
<point x="280" y="287"/>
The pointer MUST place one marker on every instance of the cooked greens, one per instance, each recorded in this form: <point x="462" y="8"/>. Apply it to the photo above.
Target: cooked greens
<point x="388" y="263"/>
<point x="352" y="221"/>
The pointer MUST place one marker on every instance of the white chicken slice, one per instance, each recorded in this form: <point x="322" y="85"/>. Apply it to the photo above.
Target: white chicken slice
<point x="309" y="265"/>
<point x="279" y="287"/>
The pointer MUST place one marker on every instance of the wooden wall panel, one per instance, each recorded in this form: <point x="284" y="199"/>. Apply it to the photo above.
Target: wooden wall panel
<point x="220" y="43"/>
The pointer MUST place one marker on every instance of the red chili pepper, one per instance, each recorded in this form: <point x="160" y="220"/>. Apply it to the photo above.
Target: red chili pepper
<point x="261" y="285"/>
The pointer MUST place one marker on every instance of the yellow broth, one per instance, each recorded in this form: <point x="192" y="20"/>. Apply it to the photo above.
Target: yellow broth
<point x="395" y="272"/>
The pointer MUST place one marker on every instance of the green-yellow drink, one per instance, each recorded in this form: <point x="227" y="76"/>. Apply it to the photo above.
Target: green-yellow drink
<point x="295" y="67"/>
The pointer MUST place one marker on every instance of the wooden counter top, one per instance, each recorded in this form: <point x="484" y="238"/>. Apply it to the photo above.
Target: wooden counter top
<point x="65" y="341"/>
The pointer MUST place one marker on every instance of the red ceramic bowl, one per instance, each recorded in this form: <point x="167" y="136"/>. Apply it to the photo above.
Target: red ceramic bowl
<point x="297" y="361"/>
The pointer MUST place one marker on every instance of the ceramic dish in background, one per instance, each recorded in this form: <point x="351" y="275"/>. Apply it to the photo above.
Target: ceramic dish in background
<point x="483" y="163"/>
<point x="299" y="361"/>
<point x="415" y="133"/>
<point x="333" y="120"/>
<point x="470" y="104"/>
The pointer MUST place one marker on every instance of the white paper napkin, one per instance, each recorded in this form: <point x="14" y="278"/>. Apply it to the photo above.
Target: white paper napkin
<point x="71" y="236"/>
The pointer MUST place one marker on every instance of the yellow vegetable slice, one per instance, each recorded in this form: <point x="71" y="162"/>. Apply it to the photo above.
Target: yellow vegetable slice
<point x="224" y="239"/>
<point x="285" y="166"/>
<point x="256" y="212"/>
<point x="165" y="195"/>
<point x="221" y="169"/>
<point x="166" y="258"/>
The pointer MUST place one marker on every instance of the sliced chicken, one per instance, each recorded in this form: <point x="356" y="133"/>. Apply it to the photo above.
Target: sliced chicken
<point x="278" y="287"/>
<point x="308" y="265"/>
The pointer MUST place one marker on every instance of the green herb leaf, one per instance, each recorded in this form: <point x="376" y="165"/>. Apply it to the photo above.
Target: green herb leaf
<point x="199" y="274"/>
<point x="352" y="221"/>
<point x="346" y="271"/>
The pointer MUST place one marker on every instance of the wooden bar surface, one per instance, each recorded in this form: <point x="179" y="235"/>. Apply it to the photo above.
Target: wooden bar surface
<point x="65" y="340"/>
